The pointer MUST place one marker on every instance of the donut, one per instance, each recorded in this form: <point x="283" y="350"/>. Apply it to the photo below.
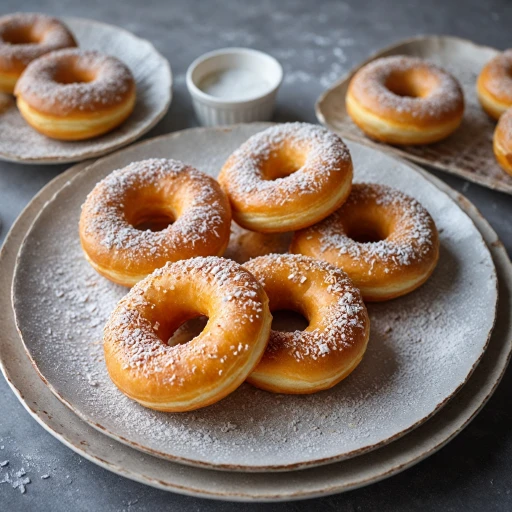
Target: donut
<point x="502" y="141"/>
<point x="183" y="377"/>
<point x="25" y="37"/>
<point x="494" y="85"/>
<point x="245" y="244"/>
<point x="334" y="342"/>
<point x="287" y="177"/>
<point x="75" y="94"/>
<point x="383" y="239"/>
<point x="405" y="100"/>
<point x="151" y="212"/>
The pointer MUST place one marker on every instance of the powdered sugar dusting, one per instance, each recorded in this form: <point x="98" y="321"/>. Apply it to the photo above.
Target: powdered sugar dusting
<point x="412" y="238"/>
<point x="372" y="80"/>
<point x="62" y="306"/>
<point x="243" y="175"/>
<point x="53" y="35"/>
<point x="344" y="319"/>
<point x="40" y="88"/>
<point x="105" y="220"/>
<point x="499" y="78"/>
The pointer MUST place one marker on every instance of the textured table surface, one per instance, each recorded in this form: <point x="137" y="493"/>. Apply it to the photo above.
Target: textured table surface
<point x="316" y="42"/>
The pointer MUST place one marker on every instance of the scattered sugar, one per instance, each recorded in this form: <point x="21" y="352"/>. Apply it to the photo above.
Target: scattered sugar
<point x="499" y="79"/>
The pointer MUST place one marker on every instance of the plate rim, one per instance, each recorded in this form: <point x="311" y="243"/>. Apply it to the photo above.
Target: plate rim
<point x="230" y="466"/>
<point x="394" y="150"/>
<point x="499" y="253"/>
<point x="87" y="155"/>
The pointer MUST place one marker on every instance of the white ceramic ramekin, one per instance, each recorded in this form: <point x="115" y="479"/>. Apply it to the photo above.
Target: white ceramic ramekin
<point x="211" y="110"/>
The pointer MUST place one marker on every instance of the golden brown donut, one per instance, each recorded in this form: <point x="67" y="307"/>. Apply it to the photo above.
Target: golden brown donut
<point x="245" y="244"/>
<point x="494" y="85"/>
<point x="124" y="224"/>
<point x="287" y="177"/>
<point x="383" y="239"/>
<point x="502" y="141"/>
<point x="75" y="94"/>
<point x="335" y="340"/>
<point x="187" y="376"/>
<point x="405" y="100"/>
<point x="25" y="37"/>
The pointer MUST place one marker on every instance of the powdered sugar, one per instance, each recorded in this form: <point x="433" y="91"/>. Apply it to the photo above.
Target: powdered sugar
<point x="50" y="34"/>
<point x="244" y="178"/>
<point x="413" y="232"/>
<point x="203" y="217"/>
<point x="109" y="87"/>
<point x="404" y="375"/>
<point x="370" y="84"/>
<point x="498" y="76"/>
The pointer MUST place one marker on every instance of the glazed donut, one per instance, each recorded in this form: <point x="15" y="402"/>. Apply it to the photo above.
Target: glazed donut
<point x="335" y="340"/>
<point x="75" y="94"/>
<point x="405" y="100"/>
<point x="25" y="37"/>
<point x="502" y="141"/>
<point x="187" y="376"/>
<point x="383" y="239"/>
<point x="245" y="244"/>
<point x="124" y="225"/>
<point x="287" y="177"/>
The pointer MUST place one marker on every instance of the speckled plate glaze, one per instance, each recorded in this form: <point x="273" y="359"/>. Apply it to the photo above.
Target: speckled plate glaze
<point x="62" y="423"/>
<point x="423" y="347"/>
<point x="468" y="152"/>
<point x="152" y="73"/>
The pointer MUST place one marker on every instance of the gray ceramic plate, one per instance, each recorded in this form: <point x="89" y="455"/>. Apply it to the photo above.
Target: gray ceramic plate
<point x="60" y="421"/>
<point x="20" y="143"/>
<point x="423" y="347"/>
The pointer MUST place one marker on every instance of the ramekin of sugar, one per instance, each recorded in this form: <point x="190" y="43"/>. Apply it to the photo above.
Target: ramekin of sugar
<point x="234" y="85"/>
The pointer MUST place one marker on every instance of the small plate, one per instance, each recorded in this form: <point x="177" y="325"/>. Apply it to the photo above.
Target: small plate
<point x="21" y="143"/>
<point x="468" y="151"/>
<point x="65" y="426"/>
<point x="422" y="349"/>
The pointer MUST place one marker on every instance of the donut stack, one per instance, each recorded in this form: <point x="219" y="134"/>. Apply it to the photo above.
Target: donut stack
<point x="304" y="239"/>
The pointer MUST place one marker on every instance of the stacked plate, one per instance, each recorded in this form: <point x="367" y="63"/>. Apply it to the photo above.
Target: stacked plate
<point x="434" y="358"/>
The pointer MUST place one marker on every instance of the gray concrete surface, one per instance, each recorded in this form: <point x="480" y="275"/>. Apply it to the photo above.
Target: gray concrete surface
<point x="316" y="42"/>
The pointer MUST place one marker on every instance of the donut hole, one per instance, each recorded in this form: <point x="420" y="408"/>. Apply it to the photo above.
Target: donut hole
<point x="282" y="163"/>
<point x="413" y="83"/>
<point x="366" y="232"/>
<point x="23" y="35"/>
<point x="289" y="320"/>
<point x="152" y="219"/>
<point x="70" y="75"/>
<point x="186" y="331"/>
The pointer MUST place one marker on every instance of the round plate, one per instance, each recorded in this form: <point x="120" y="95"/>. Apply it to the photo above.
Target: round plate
<point x="62" y="423"/>
<point x="423" y="347"/>
<point x="21" y="143"/>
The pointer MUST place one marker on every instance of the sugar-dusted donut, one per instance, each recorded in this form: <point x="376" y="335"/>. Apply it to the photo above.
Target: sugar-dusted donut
<point x="494" y="85"/>
<point x="23" y="38"/>
<point x="334" y="342"/>
<point x="383" y="239"/>
<point x="287" y="177"/>
<point x="187" y="376"/>
<point x="405" y="100"/>
<point x="245" y="244"/>
<point x="502" y="141"/>
<point x="124" y="224"/>
<point x="75" y="94"/>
